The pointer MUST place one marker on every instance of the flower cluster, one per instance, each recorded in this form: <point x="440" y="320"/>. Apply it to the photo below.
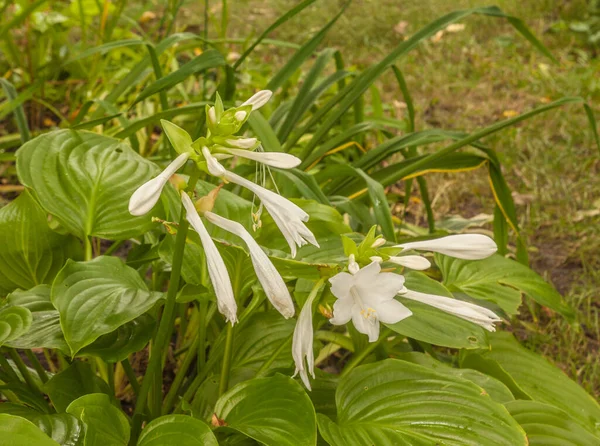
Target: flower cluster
<point x="221" y="143"/>
<point x="367" y="296"/>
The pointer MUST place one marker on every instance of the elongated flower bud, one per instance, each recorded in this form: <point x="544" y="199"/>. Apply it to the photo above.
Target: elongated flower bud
<point x="259" y="99"/>
<point x="302" y="343"/>
<point x="462" y="246"/>
<point x="267" y="274"/>
<point x="241" y="143"/>
<point x="413" y="262"/>
<point x="146" y="196"/>
<point x="217" y="270"/>
<point x="214" y="166"/>
<point x="273" y="159"/>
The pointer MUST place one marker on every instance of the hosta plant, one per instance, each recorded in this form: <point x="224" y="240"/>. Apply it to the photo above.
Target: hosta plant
<point x="248" y="288"/>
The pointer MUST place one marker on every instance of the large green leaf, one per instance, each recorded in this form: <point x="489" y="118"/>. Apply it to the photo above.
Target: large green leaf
<point x="63" y="428"/>
<point x="31" y="252"/>
<point x="394" y="402"/>
<point x="14" y="322"/>
<point x="544" y="382"/>
<point x="17" y="431"/>
<point x="274" y="411"/>
<point x="45" y="329"/>
<point x="428" y="324"/>
<point x="181" y="430"/>
<point x="85" y="180"/>
<point x="104" y="423"/>
<point x="500" y="280"/>
<point x="546" y="425"/>
<point x="75" y="381"/>
<point x="96" y="297"/>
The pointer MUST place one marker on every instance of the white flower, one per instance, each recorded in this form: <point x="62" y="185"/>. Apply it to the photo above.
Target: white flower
<point x="214" y="166"/>
<point x="267" y="274"/>
<point x="465" y="310"/>
<point x="145" y="197"/>
<point x="462" y="246"/>
<point x="273" y="159"/>
<point x="379" y="242"/>
<point x="302" y="343"/>
<point x="367" y="297"/>
<point x="240" y="115"/>
<point x="241" y="143"/>
<point x="413" y="262"/>
<point x="216" y="267"/>
<point x="259" y="99"/>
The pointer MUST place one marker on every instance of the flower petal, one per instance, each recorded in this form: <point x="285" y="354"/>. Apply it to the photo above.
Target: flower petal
<point x="370" y="327"/>
<point x="413" y="262"/>
<point x="214" y="167"/>
<point x="340" y="285"/>
<point x="380" y="288"/>
<point x="461" y="246"/>
<point x="392" y="311"/>
<point x="273" y="159"/>
<point x="302" y="343"/>
<point x="342" y="311"/>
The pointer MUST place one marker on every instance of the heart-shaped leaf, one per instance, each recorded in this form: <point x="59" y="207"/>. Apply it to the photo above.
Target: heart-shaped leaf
<point x="45" y="329"/>
<point x="63" y="428"/>
<point x="31" y="252"/>
<point x="104" y="423"/>
<point x="274" y="411"/>
<point x="434" y="326"/>
<point x="500" y="280"/>
<point x="75" y="381"/>
<point x="96" y="297"/>
<point x="85" y="180"/>
<point x="394" y="402"/>
<point x="546" y="425"/>
<point x="14" y="322"/>
<point x="17" y="431"/>
<point x="181" y="430"/>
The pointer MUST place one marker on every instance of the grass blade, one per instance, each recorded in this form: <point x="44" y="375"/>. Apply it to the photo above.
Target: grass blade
<point x="11" y="95"/>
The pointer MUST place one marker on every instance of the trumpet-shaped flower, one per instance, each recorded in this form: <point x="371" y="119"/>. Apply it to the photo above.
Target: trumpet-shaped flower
<point x="145" y="197"/>
<point x="462" y="246"/>
<point x="367" y="297"/>
<point x="259" y="99"/>
<point x="465" y="310"/>
<point x="267" y="274"/>
<point x="413" y="262"/>
<point x="217" y="270"/>
<point x="302" y="343"/>
<point x="273" y="159"/>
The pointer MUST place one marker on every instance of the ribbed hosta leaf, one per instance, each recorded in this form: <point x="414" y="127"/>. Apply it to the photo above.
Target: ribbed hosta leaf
<point x="274" y="411"/>
<point x="104" y="423"/>
<point x="544" y="382"/>
<point x="393" y="402"/>
<point x="500" y="280"/>
<point x="180" y="430"/>
<point x="546" y="425"/>
<point x="31" y="252"/>
<point x="14" y="321"/>
<point x="96" y="297"/>
<point x="85" y="180"/>
<point x="17" y="431"/>
<point x="63" y="428"/>
<point x="428" y="324"/>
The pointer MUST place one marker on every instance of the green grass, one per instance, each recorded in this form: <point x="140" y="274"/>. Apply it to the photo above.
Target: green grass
<point x="470" y="79"/>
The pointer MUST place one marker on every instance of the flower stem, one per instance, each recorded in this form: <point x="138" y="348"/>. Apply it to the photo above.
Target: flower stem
<point x="226" y="368"/>
<point x="14" y="355"/>
<point x="37" y="365"/>
<point x="165" y="327"/>
<point x="360" y="357"/>
<point x="135" y="385"/>
<point x="10" y="372"/>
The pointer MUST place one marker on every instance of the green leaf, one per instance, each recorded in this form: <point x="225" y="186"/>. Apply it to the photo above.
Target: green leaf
<point x="11" y="94"/>
<point x="45" y="329"/>
<point x="494" y="388"/>
<point x="63" y="428"/>
<point x="85" y="180"/>
<point x="544" y="382"/>
<point x="17" y="431"/>
<point x="14" y="321"/>
<point x="546" y="425"/>
<point x="434" y="326"/>
<point x="393" y="402"/>
<point x="96" y="297"/>
<point x="181" y="430"/>
<point x="104" y="423"/>
<point x="75" y="381"/>
<point x="205" y="61"/>
<point x="31" y="252"/>
<point x="500" y="280"/>
<point x="274" y="411"/>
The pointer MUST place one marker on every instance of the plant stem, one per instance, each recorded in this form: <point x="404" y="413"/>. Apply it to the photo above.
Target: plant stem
<point x="8" y="368"/>
<point x="88" y="255"/>
<point x="112" y="248"/>
<point x="14" y="355"/>
<point x="226" y="367"/>
<point x="37" y="365"/>
<point x="135" y="385"/>
<point x="110" y="371"/>
<point x="181" y="373"/>
<point x="49" y="360"/>
<point x="203" y="311"/>
<point x="360" y="357"/>
<point x="165" y="327"/>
